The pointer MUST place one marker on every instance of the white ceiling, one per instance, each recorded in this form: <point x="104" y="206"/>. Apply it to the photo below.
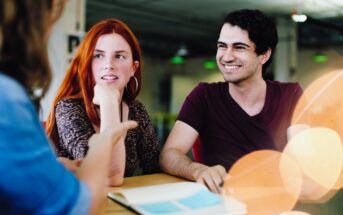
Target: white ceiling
<point x="195" y="22"/>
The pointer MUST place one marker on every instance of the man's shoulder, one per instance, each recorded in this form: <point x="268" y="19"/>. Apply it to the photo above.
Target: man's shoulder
<point x="286" y="91"/>
<point x="212" y="84"/>
<point x="206" y="86"/>
<point x="284" y="85"/>
<point x="205" y="89"/>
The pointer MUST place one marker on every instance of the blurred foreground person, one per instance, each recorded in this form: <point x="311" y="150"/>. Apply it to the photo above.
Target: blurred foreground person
<point x="32" y="180"/>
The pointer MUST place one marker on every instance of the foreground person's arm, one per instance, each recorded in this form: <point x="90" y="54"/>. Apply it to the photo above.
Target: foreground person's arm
<point x="94" y="168"/>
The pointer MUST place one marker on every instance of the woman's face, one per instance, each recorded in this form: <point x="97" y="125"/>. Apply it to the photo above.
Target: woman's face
<point x="112" y="62"/>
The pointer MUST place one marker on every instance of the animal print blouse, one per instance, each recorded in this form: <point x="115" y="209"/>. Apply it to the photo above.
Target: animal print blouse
<point x="75" y="129"/>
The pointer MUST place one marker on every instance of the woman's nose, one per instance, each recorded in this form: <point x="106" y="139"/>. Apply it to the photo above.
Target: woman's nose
<point x="109" y="64"/>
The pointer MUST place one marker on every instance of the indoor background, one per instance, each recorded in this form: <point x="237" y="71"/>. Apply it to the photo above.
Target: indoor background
<point x="178" y="38"/>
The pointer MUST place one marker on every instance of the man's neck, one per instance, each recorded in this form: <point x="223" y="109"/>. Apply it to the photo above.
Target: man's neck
<point x="249" y="96"/>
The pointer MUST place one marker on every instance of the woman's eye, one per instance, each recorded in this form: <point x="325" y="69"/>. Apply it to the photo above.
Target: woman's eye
<point x="121" y="57"/>
<point x="97" y="56"/>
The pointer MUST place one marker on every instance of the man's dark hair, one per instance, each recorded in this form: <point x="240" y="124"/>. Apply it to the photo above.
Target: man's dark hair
<point x="261" y="30"/>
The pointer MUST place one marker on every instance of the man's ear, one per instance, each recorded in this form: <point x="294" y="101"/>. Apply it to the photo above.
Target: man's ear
<point x="135" y="65"/>
<point x="264" y="57"/>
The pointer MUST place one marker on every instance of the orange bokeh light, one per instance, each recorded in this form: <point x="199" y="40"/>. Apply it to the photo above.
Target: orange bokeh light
<point x="322" y="103"/>
<point x="257" y="181"/>
<point x="322" y="106"/>
<point x="318" y="151"/>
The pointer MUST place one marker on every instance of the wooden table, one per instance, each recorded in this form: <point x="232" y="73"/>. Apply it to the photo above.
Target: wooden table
<point x="108" y="206"/>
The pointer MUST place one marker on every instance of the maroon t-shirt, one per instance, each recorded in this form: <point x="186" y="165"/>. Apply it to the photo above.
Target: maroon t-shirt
<point x="227" y="132"/>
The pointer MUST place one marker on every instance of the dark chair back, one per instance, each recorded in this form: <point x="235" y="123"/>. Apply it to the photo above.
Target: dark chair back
<point x="197" y="153"/>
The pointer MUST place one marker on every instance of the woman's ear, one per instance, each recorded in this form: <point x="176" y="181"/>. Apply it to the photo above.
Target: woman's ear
<point x="264" y="57"/>
<point x="135" y="65"/>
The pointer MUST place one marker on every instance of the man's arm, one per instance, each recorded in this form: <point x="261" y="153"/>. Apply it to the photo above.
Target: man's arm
<point x="173" y="159"/>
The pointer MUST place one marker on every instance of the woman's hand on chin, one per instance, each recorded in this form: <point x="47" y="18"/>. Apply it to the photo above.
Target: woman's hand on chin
<point x="105" y="93"/>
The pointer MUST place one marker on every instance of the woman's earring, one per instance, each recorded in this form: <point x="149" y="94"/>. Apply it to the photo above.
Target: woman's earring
<point x="127" y="87"/>
<point x="136" y="81"/>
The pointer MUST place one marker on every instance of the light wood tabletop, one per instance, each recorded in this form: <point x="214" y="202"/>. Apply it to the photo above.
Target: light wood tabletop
<point x="109" y="207"/>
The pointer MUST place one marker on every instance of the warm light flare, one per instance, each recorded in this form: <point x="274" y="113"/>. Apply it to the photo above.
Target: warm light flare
<point x="322" y="106"/>
<point x="319" y="153"/>
<point x="257" y="181"/>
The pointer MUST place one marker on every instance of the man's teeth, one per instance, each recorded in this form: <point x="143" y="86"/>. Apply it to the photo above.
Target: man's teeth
<point x="231" y="67"/>
<point x="109" y="77"/>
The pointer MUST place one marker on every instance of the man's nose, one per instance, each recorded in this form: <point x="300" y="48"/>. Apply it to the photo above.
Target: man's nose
<point x="228" y="55"/>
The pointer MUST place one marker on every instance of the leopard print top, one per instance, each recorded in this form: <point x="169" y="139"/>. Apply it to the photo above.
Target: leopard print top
<point x="75" y="129"/>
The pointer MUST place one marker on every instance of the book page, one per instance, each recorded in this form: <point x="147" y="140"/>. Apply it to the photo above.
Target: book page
<point x="201" y="202"/>
<point x="160" y="193"/>
<point x="179" y="198"/>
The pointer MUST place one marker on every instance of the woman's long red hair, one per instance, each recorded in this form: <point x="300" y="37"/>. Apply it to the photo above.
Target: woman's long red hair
<point x="79" y="82"/>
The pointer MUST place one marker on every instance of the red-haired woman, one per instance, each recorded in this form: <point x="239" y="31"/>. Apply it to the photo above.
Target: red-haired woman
<point x="104" y="76"/>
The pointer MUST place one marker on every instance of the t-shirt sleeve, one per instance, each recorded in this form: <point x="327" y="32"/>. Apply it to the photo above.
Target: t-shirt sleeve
<point x="74" y="128"/>
<point x="297" y="91"/>
<point x="295" y="94"/>
<point x="193" y="111"/>
<point x="32" y="180"/>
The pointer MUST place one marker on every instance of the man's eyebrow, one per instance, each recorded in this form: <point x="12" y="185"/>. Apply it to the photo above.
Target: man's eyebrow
<point x="234" y="44"/>
<point x="221" y="43"/>
<point x="241" y="44"/>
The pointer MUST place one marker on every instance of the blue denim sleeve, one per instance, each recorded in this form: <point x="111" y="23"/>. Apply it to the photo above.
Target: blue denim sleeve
<point x="32" y="180"/>
<point x="84" y="201"/>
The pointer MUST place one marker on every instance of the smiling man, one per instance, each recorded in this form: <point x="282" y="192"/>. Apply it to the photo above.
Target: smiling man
<point x="241" y="115"/>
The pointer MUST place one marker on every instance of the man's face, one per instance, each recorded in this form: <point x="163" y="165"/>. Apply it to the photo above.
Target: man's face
<point x="236" y="57"/>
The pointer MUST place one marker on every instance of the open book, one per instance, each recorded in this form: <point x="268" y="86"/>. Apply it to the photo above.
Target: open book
<point x="177" y="198"/>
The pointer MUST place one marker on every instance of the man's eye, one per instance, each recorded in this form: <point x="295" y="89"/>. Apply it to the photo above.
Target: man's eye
<point x="240" y="47"/>
<point x="220" y="46"/>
